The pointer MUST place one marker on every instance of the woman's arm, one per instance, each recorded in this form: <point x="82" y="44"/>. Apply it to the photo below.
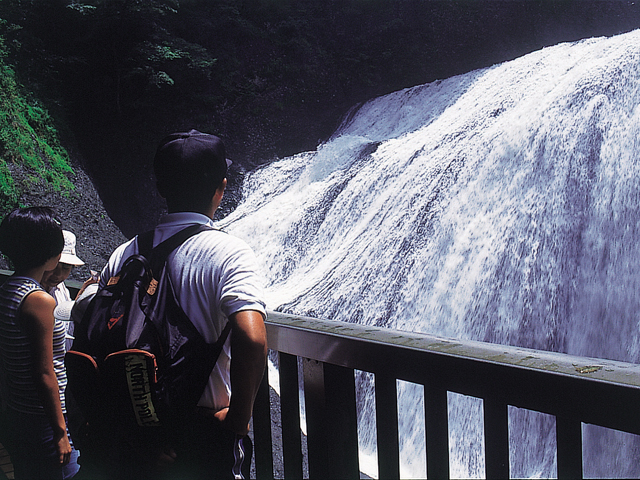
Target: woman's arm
<point x="37" y="314"/>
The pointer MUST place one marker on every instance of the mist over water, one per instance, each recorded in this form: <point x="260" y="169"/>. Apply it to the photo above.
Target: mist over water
<point x="500" y="206"/>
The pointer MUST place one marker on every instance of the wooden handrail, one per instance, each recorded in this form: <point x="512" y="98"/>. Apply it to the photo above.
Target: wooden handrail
<point x="574" y="389"/>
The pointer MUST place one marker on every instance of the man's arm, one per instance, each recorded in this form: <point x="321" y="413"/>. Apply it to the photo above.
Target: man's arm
<point x="248" y="360"/>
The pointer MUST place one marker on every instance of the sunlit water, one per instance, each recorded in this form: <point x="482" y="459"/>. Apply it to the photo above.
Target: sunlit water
<point x="500" y="205"/>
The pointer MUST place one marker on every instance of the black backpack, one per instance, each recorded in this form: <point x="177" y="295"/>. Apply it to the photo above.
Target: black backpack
<point x="138" y="365"/>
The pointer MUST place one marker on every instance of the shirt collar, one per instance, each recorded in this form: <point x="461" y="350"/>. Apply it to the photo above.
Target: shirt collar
<point x="185" y="218"/>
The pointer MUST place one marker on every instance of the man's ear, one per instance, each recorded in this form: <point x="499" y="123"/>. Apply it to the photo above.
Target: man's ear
<point x="216" y="199"/>
<point x="221" y="188"/>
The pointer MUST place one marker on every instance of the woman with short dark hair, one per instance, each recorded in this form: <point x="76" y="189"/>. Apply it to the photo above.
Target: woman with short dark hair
<point x="33" y="376"/>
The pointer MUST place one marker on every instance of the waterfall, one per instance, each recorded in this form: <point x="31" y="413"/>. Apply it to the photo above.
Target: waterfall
<point x="499" y="205"/>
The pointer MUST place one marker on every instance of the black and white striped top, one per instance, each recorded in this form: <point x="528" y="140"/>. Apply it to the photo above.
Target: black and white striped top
<point x="16" y="381"/>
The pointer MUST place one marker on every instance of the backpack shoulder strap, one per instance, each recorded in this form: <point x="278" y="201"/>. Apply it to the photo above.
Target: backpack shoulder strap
<point x="217" y="349"/>
<point x="145" y="243"/>
<point x="163" y="249"/>
<point x="157" y="255"/>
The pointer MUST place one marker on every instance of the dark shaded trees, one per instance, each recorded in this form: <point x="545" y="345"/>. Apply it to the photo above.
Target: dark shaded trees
<point x="272" y="77"/>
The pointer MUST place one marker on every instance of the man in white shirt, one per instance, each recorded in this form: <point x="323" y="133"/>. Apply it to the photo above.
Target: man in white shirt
<point x="216" y="279"/>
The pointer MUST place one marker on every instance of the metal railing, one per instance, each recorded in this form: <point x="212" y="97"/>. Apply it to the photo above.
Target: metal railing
<point x="575" y="390"/>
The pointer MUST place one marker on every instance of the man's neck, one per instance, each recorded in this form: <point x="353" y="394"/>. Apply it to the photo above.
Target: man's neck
<point x="206" y="212"/>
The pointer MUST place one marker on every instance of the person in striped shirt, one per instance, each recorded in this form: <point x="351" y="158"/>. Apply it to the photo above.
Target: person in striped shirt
<point x="32" y="372"/>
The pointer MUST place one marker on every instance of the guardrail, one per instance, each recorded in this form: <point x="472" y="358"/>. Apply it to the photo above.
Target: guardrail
<point x="575" y="390"/>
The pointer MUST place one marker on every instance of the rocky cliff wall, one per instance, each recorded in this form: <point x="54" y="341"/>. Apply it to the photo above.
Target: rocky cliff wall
<point x="82" y="213"/>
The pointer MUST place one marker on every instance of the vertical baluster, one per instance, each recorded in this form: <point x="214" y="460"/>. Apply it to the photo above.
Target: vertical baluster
<point x="317" y="434"/>
<point x="340" y="391"/>
<point x="332" y="436"/>
<point x="290" y="414"/>
<point x="437" y="432"/>
<point x="387" y="426"/>
<point x="496" y="438"/>
<point x="262" y="431"/>
<point x="569" y="441"/>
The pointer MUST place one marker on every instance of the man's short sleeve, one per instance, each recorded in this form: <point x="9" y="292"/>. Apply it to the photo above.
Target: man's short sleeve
<point x="115" y="261"/>
<point x="241" y="283"/>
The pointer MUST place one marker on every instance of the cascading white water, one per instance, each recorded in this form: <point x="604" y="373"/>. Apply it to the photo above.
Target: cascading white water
<point x="500" y="205"/>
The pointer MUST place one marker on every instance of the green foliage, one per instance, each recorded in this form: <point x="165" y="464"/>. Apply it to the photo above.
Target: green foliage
<point x="169" y="54"/>
<point x="28" y="143"/>
<point x="81" y="8"/>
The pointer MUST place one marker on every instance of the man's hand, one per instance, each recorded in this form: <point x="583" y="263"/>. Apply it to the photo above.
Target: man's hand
<point x="90" y="281"/>
<point x="240" y="429"/>
<point x="164" y="459"/>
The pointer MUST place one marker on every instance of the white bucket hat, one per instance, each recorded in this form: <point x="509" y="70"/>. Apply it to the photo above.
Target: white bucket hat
<point x="68" y="254"/>
<point x="74" y="310"/>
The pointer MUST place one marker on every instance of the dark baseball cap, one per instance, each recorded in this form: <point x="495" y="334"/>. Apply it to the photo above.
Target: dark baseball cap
<point x="191" y="154"/>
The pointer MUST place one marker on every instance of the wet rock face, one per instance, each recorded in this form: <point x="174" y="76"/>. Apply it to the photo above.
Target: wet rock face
<point x="82" y="213"/>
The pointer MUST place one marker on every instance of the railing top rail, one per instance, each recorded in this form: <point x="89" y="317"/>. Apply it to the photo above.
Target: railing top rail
<point x="587" y="389"/>
<point x="595" y="369"/>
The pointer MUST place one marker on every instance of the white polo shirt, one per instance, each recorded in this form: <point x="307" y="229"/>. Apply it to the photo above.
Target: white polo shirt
<point x="214" y="275"/>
